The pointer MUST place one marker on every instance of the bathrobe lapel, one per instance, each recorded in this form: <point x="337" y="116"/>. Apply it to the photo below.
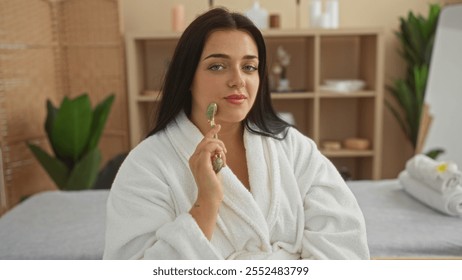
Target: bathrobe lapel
<point x="245" y="218"/>
<point x="256" y="209"/>
<point x="264" y="174"/>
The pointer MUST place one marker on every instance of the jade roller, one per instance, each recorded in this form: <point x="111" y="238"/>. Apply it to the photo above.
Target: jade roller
<point x="217" y="161"/>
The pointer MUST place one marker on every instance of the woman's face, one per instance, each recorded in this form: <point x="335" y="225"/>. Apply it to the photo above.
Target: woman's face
<point x="227" y="74"/>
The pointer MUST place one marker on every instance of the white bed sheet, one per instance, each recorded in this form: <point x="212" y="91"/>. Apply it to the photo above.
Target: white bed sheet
<point x="55" y="225"/>
<point x="399" y="226"/>
<point x="71" y="225"/>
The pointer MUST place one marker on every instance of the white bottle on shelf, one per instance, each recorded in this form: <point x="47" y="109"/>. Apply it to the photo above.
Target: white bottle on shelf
<point x="258" y="15"/>
<point x="315" y="13"/>
<point x="332" y="10"/>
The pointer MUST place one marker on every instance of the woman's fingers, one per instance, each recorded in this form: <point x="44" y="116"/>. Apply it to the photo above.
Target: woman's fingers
<point x="213" y="131"/>
<point x="207" y="149"/>
<point x="209" y="137"/>
<point x="210" y="148"/>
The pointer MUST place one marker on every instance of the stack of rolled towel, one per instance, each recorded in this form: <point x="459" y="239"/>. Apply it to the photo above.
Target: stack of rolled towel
<point x="436" y="184"/>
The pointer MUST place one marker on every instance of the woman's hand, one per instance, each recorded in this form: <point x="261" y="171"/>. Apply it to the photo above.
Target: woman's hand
<point x="208" y="182"/>
<point x="210" y="189"/>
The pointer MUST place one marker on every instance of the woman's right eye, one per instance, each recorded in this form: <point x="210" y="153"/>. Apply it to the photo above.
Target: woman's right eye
<point x="216" y="67"/>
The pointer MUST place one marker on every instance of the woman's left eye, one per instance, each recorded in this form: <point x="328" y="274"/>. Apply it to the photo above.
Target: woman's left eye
<point x="250" y="68"/>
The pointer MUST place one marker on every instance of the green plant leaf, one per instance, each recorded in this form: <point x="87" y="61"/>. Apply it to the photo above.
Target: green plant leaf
<point x="51" y="115"/>
<point x="57" y="170"/>
<point x="85" y="172"/>
<point x="49" y="122"/>
<point x="404" y="96"/>
<point x="100" y="115"/>
<point x="420" y="82"/>
<point x="71" y="128"/>
<point x="398" y="117"/>
<point x="434" y="153"/>
<point x="404" y="93"/>
<point x="433" y="15"/>
<point x="416" y="35"/>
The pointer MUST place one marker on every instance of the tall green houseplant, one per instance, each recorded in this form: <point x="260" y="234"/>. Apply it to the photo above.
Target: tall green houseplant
<point x="73" y="130"/>
<point x="416" y="35"/>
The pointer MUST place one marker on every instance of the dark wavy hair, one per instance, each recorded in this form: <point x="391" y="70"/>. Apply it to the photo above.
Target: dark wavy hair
<point x="180" y="74"/>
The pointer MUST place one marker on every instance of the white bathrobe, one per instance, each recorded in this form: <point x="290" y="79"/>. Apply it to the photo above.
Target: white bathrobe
<point x="298" y="207"/>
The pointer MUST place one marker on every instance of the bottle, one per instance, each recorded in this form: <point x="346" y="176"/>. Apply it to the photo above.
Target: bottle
<point x="315" y="13"/>
<point x="333" y="11"/>
<point x="178" y="18"/>
<point x="324" y="20"/>
<point x="274" y="21"/>
<point x="258" y="15"/>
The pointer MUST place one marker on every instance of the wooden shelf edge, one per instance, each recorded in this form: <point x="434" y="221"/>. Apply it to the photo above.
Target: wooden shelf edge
<point x="153" y="95"/>
<point x="347" y="153"/>
<point x="331" y="94"/>
<point x="292" y="95"/>
<point x="149" y="96"/>
<point x="268" y="33"/>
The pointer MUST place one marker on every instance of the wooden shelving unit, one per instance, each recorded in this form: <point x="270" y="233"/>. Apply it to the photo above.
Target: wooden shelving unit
<point x="316" y="55"/>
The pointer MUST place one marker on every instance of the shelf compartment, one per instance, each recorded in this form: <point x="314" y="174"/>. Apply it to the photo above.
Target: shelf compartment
<point x="300" y="71"/>
<point x="146" y="113"/>
<point x="359" y="168"/>
<point x="343" y="118"/>
<point x="302" y="111"/>
<point x="349" y="57"/>
<point x="155" y="56"/>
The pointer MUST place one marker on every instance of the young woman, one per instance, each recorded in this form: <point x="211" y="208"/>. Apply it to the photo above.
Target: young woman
<point x="276" y="197"/>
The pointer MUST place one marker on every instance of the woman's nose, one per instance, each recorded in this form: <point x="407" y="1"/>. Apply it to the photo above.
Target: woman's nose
<point x="236" y="79"/>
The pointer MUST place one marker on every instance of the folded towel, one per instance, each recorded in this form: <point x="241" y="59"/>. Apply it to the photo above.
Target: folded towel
<point x="449" y="203"/>
<point x="441" y="176"/>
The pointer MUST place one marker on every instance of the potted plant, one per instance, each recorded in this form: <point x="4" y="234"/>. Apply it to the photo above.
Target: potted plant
<point x="416" y="35"/>
<point x="73" y="130"/>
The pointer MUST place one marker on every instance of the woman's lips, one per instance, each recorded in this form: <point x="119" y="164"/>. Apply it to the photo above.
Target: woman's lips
<point x="235" y="98"/>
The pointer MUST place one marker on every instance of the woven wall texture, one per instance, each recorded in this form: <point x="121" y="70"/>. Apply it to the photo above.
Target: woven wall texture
<point x="50" y="49"/>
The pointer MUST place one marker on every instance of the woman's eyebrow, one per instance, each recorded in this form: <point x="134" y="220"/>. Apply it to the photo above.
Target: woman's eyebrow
<point x="217" y="55"/>
<point x="250" y="56"/>
<point x="222" y="55"/>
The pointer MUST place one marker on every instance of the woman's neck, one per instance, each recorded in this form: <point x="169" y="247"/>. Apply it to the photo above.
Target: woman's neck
<point x="231" y="134"/>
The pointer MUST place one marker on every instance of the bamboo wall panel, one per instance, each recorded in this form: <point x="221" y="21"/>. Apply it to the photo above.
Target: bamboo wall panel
<point x="50" y="49"/>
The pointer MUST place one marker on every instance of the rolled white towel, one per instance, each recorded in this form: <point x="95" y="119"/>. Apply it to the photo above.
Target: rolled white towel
<point x="449" y="203"/>
<point x="441" y="176"/>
